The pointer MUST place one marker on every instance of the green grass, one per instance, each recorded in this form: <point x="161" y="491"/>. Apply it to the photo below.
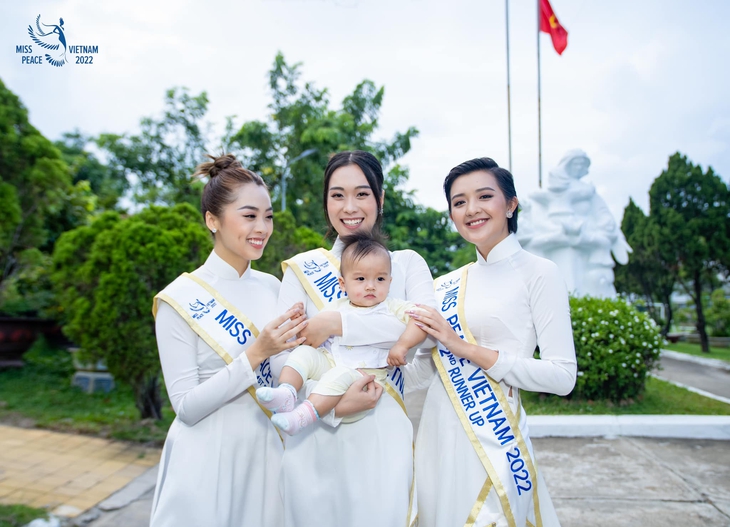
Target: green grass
<point x="694" y="349"/>
<point x="659" y="398"/>
<point x="19" y="515"/>
<point x="40" y="395"/>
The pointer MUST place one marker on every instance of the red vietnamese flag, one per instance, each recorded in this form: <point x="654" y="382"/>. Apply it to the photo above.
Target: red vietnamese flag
<point x="549" y="24"/>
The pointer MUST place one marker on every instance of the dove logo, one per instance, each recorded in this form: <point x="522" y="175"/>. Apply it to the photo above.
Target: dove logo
<point x="52" y="38"/>
<point x="51" y="46"/>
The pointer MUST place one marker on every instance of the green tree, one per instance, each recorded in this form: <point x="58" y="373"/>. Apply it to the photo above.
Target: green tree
<point x="106" y="275"/>
<point x="423" y="229"/>
<point x="646" y="274"/>
<point x="85" y="166"/>
<point x="37" y="200"/>
<point x="159" y="161"/>
<point x="691" y="210"/>
<point x="301" y="119"/>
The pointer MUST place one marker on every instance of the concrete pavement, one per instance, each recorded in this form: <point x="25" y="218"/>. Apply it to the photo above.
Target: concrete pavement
<point x="638" y="482"/>
<point x="598" y="482"/>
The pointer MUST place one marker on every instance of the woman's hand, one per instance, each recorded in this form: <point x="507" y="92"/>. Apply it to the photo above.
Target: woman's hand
<point x="362" y="395"/>
<point x="276" y="335"/>
<point x="321" y="327"/>
<point x="431" y="321"/>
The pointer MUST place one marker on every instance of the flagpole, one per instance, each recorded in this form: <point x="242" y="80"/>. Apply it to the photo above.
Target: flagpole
<point x="539" y="114"/>
<point x="509" y="109"/>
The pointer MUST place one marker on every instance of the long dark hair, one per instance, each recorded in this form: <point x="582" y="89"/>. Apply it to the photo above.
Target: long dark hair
<point x="502" y="175"/>
<point x="369" y="165"/>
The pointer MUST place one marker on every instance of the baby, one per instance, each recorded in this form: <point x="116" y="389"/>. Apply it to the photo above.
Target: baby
<point x="365" y="270"/>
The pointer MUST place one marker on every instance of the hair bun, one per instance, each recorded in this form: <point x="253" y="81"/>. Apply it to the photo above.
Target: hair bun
<point x="221" y="163"/>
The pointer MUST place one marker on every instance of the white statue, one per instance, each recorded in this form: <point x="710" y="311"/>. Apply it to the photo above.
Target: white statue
<point x="570" y="224"/>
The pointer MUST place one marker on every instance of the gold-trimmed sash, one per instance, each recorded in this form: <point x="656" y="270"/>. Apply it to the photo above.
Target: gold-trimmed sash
<point x="318" y="271"/>
<point x="487" y="418"/>
<point x="218" y="322"/>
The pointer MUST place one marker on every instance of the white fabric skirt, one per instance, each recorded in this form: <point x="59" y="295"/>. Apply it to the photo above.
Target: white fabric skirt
<point x="223" y="471"/>
<point x="356" y="475"/>
<point x="449" y="474"/>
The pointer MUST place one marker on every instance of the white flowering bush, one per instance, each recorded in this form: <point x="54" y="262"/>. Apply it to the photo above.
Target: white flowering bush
<point x="616" y="347"/>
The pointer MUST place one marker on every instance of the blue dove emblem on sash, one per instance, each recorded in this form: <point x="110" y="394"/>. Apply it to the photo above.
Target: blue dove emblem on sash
<point x="312" y="267"/>
<point x="448" y="284"/>
<point x="198" y="305"/>
<point x="46" y="39"/>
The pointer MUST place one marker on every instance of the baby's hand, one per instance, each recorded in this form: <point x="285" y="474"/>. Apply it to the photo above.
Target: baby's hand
<point x="397" y="356"/>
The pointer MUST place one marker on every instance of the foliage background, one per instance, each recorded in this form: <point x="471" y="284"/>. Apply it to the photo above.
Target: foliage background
<point x="106" y="275"/>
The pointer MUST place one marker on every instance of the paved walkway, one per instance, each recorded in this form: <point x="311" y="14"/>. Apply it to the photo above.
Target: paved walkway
<point x="66" y="473"/>
<point x="713" y="380"/>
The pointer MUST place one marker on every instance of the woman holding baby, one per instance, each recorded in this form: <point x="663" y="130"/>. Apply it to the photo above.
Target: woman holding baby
<point x="359" y="473"/>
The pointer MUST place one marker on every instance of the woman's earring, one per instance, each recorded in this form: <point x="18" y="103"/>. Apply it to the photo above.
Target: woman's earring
<point x="381" y="212"/>
<point x="509" y="213"/>
<point x="216" y="230"/>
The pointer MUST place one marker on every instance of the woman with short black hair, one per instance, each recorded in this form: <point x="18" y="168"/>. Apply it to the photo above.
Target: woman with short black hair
<point x="474" y="460"/>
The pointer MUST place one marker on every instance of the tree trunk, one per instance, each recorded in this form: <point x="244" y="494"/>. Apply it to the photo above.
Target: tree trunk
<point x="668" y="322"/>
<point x="701" y="325"/>
<point x="147" y="398"/>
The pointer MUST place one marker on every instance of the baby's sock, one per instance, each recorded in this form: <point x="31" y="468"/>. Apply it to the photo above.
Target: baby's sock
<point x="293" y="422"/>
<point x="281" y="399"/>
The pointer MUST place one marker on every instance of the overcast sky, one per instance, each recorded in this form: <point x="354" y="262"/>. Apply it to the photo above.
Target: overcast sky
<point x="638" y="81"/>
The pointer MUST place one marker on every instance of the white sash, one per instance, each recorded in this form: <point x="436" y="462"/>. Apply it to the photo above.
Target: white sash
<point x="220" y="324"/>
<point x="486" y="416"/>
<point x="318" y="271"/>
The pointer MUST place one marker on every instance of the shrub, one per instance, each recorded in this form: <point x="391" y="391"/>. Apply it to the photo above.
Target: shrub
<point x="616" y="347"/>
<point x="106" y="275"/>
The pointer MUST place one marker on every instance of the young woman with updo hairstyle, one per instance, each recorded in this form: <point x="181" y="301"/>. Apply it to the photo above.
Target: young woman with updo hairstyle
<point x="513" y="301"/>
<point x="220" y="464"/>
<point x="357" y="474"/>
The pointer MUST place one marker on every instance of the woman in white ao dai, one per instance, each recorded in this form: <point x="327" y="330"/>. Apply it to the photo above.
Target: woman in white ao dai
<point x="220" y="464"/>
<point x="358" y="474"/>
<point x="513" y="302"/>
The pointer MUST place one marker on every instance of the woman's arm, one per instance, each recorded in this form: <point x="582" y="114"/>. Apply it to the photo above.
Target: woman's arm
<point x="555" y="370"/>
<point x="177" y="344"/>
<point x="320" y="328"/>
<point x="191" y="399"/>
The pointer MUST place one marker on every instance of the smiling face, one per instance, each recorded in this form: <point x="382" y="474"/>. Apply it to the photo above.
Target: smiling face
<point x="244" y="227"/>
<point x="367" y="280"/>
<point x="479" y="210"/>
<point x="351" y="203"/>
